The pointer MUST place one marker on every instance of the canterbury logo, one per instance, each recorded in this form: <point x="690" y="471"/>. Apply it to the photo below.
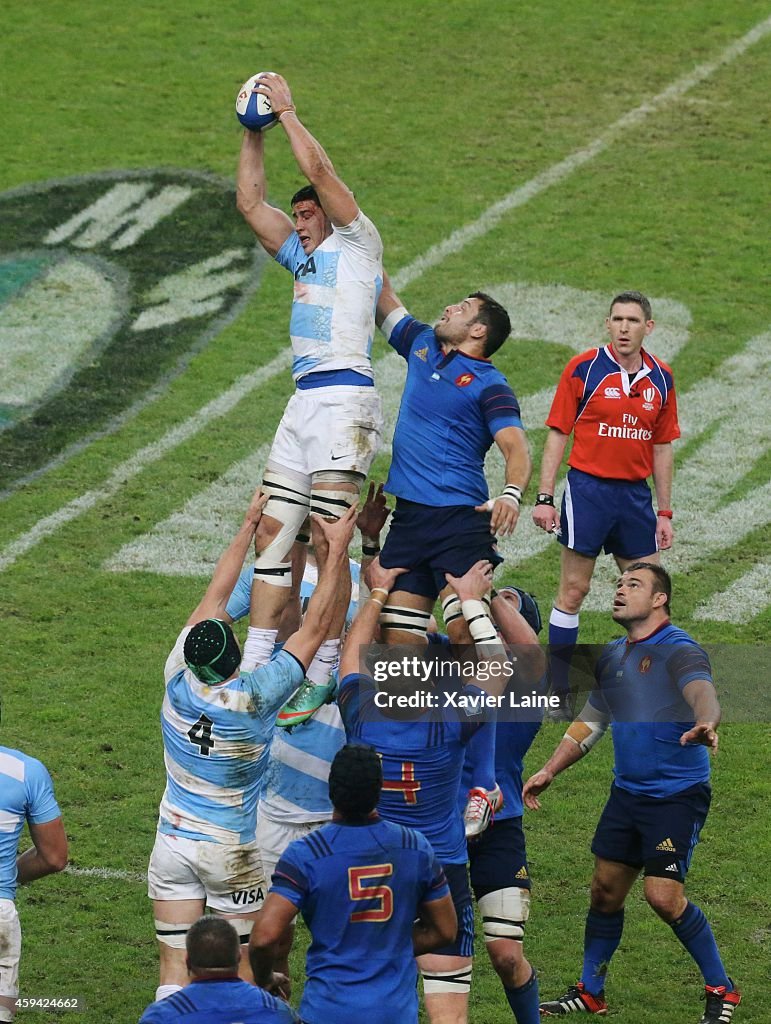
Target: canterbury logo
<point x="666" y="846"/>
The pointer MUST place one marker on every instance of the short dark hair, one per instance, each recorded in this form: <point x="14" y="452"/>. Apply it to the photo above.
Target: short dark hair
<point x="212" y="944"/>
<point x="496" y="320"/>
<point x="305" y="193"/>
<point x="355" y="780"/>
<point x="662" y="581"/>
<point x="637" y="297"/>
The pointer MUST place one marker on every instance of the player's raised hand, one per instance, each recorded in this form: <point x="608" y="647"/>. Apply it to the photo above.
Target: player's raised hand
<point x="379" y="578"/>
<point x="475" y="583"/>
<point x="256" y="506"/>
<point x="374" y="513"/>
<point x="332" y="536"/>
<point x="703" y="733"/>
<point x="277" y="90"/>
<point x="534" y="786"/>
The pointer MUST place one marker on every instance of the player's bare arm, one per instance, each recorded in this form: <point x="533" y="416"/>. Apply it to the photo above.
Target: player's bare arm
<point x="336" y="198"/>
<point x="330" y="540"/>
<point x="270" y="938"/>
<point x="213" y="602"/>
<point x="436" y="926"/>
<point x="272" y="226"/>
<point x="48" y="853"/>
<point x="702" y="698"/>
<point x="663" y="468"/>
<point x="513" y="445"/>
<point x="545" y="515"/>
<point x="531" y="657"/>
<point x="580" y="736"/>
<point x="388" y="301"/>
<point x="380" y="582"/>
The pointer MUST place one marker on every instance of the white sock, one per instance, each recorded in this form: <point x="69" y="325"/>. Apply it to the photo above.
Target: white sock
<point x="258" y="649"/>
<point x="324" y="663"/>
<point x="163" y="991"/>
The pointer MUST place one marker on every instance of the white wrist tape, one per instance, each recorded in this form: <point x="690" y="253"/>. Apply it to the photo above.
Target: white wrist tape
<point x="481" y="628"/>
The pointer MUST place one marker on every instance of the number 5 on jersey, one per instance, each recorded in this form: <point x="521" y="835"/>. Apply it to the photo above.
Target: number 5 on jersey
<point x="382" y="894"/>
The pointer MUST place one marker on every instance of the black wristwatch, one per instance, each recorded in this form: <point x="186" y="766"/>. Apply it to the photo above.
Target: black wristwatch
<point x="544" y="498"/>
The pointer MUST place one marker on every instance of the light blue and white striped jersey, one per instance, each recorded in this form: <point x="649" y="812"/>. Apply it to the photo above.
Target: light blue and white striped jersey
<point x="335" y="293"/>
<point x="296" y="784"/>
<point x="216" y="741"/>
<point x="238" y="603"/>
<point x="26" y="794"/>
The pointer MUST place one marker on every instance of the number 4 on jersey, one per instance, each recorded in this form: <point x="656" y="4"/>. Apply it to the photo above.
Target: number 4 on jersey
<point x="200" y="734"/>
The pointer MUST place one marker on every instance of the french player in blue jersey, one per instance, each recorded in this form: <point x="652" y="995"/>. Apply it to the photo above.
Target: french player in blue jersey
<point x="331" y="429"/>
<point x="500" y="877"/>
<point x="217" y="723"/>
<point x="215" y="994"/>
<point x="655" y="690"/>
<point x="373" y="895"/>
<point x="422" y="757"/>
<point x="26" y="795"/>
<point x="454" y="406"/>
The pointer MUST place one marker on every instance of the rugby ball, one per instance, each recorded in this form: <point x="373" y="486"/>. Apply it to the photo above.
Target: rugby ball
<point x="252" y="109"/>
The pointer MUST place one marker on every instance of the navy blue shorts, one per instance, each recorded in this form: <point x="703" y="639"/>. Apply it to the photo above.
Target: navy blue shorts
<point x="457" y="879"/>
<point x="432" y="541"/>
<point x="497" y="858"/>
<point x="655" y="833"/>
<point x="616" y="515"/>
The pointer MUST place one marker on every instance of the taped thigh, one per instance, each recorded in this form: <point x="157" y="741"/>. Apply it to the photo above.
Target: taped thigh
<point x="172" y="935"/>
<point x="411" y="620"/>
<point x="455" y="983"/>
<point x="505" y="913"/>
<point x="334" y="502"/>
<point x="288" y="502"/>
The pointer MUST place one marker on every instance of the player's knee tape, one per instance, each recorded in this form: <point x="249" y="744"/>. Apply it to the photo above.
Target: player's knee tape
<point x="411" y="620"/>
<point x="331" y="503"/>
<point x="288" y="503"/>
<point x="505" y="913"/>
<point x="172" y="935"/>
<point x="456" y="982"/>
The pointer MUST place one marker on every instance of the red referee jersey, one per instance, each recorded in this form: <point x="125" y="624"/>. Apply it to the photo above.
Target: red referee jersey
<point x="615" y="424"/>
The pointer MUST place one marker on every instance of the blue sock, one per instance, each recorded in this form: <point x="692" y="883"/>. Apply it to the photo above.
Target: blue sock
<point x="601" y="938"/>
<point x="524" y="1001"/>
<point x="693" y="930"/>
<point x="563" y="637"/>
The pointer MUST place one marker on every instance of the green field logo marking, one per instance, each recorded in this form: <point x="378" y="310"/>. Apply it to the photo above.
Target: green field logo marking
<point x="108" y="285"/>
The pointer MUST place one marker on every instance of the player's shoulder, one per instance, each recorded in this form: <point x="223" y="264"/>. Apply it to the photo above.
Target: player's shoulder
<point x="658" y="365"/>
<point x="580" y="364"/>
<point x="671" y="634"/>
<point x="22" y="767"/>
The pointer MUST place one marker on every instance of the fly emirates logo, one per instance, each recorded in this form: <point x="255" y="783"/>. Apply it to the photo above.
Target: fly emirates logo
<point x="629" y="430"/>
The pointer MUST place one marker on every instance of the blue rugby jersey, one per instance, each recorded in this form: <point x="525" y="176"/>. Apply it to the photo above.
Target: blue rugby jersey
<point x="359" y="888"/>
<point x="335" y="293"/>
<point x="216" y="741"/>
<point x="26" y="794"/>
<point x="422" y="764"/>
<point x="640" y="686"/>
<point x="451" y="409"/>
<point x="219" y="1001"/>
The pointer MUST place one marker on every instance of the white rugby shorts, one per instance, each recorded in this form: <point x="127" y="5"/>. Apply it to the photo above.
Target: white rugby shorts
<point x="10" y="949"/>
<point x="329" y="428"/>
<point x="229" y="878"/>
<point x="273" y="837"/>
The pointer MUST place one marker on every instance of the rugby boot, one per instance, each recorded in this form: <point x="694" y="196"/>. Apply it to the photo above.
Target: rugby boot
<point x="305" y="702"/>
<point x="480" y="809"/>
<point x="720" y="1004"/>
<point x="575" y="1000"/>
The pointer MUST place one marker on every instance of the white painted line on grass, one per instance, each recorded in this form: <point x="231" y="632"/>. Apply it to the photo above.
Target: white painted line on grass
<point x="106" y="874"/>
<point x="454" y="243"/>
